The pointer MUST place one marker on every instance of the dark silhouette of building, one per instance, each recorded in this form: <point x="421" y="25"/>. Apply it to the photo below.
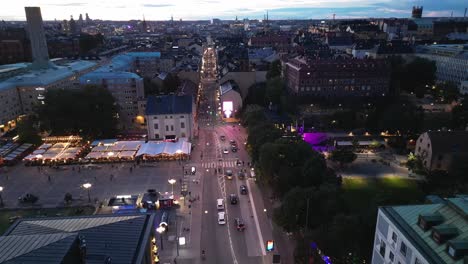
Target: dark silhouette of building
<point x="14" y="46"/>
<point x="417" y="12"/>
<point x="72" y="26"/>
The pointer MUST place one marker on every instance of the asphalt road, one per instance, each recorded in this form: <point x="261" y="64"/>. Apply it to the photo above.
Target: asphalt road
<point x="224" y="243"/>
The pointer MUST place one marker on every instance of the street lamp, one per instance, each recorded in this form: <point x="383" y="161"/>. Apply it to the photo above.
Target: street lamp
<point x="1" y="199"/>
<point x="172" y="182"/>
<point x="161" y="230"/>
<point x="87" y="186"/>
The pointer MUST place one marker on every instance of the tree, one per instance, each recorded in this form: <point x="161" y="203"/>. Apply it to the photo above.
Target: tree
<point x="27" y="131"/>
<point x="448" y="91"/>
<point x="68" y="198"/>
<point x="343" y="156"/>
<point x="151" y="88"/>
<point x="314" y="171"/>
<point x="89" y="42"/>
<point x="256" y="94"/>
<point x="171" y="83"/>
<point x="417" y="74"/>
<point x="274" y="70"/>
<point x="409" y="118"/>
<point x="274" y="90"/>
<point x="460" y="115"/>
<point x="91" y="112"/>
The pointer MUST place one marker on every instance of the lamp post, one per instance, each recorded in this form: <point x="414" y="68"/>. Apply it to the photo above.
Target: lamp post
<point x="87" y="186"/>
<point x="172" y="182"/>
<point x="161" y="230"/>
<point x="1" y="199"/>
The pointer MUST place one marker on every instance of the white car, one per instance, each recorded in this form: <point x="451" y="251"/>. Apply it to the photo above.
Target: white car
<point x="226" y="151"/>
<point x="221" y="218"/>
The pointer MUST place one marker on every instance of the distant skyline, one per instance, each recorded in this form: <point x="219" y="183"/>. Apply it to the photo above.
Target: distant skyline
<point x="229" y="9"/>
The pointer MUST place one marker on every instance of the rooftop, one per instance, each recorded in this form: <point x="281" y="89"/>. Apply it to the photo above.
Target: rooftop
<point x="46" y="76"/>
<point x="169" y="104"/>
<point x="449" y="141"/>
<point x="455" y="215"/>
<point x="50" y="240"/>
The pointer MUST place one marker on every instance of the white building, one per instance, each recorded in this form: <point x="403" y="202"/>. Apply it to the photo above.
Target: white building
<point x="422" y="234"/>
<point x="451" y="61"/>
<point x="170" y="117"/>
<point x="230" y="99"/>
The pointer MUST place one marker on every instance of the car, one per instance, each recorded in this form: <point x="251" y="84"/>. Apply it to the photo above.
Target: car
<point x="234" y="149"/>
<point x="240" y="226"/>
<point x="229" y="174"/>
<point x="222" y="138"/>
<point x="220" y="204"/>
<point x="233" y="143"/>
<point x="28" y="198"/>
<point x="241" y="175"/>
<point x="221" y="218"/>
<point x="243" y="189"/>
<point x="238" y="163"/>
<point x="226" y="151"/>
<point x="193" y="170"/>
<point x="233" y="198"/>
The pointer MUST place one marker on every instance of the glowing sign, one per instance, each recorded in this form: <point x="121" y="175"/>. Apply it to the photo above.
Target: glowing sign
<point x="228" y="108"/>
<point x="270" y="245"/>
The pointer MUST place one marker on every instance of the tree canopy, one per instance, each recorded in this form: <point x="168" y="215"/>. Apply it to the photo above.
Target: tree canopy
<point x="343" y="156"/>
<point x="274" y="70"/>
<point x="90" y="111"/>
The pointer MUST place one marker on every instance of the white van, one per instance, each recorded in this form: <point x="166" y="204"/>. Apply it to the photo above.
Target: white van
<point x="220" y="204"/>
<point x="221" y="218"/>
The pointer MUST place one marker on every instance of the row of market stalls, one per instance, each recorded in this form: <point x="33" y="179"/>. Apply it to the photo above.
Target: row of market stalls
<point x="59" y="152"/>
<point x="111" y="150"/>
<point x="12" y="152"/>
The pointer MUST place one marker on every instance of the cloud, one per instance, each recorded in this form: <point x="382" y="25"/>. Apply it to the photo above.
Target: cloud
<point x="67" y="4"/>
<point x="157" y="5"/>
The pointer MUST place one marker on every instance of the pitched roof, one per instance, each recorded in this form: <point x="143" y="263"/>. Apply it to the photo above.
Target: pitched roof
<point x="118" y="237"/>
<point x="449" y="141"/>
<point x="169" y="104"/>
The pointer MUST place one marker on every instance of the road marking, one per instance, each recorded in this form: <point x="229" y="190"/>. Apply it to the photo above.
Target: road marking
<point x="260" y="237"/>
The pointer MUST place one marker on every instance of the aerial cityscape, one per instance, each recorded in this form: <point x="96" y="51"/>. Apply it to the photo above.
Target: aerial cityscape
<point x="214" y="131"/>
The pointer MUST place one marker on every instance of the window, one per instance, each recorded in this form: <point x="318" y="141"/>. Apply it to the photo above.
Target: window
<point x="182" y="125"/>
<point x="171" y="117"/>
<point x="167" y="128"/>
<point x="156" y="126"/>
<point x="182" y="135"/>
<point x="156" y="136"/>
<point x="181" y="116"/>
<point x="172" y="128"/>
<point x="391" y="256"/>
<point x="382" y="249"/>
<point x="394" y="237"/>
<point x="403" y="249"/>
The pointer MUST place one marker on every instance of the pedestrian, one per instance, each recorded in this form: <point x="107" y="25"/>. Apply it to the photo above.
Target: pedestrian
<point x="48" y="178"/>
<point x="131" y="169"/>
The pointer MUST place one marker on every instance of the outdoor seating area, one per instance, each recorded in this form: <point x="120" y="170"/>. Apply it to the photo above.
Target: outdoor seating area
<point x="114" y="151"/>
<point x="55" y="153"/>
<point x="156" y="150"/>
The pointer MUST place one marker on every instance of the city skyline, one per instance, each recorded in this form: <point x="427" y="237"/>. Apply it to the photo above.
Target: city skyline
<point x="207" y="9"/>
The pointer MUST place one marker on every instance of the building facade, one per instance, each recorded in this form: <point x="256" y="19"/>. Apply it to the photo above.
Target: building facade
<point x="437" y="149"/>
<point x="230" y="99"/>
<point x="451" y="61"/>
<point x="170" y="117"/>
<point x="337" y="77"/>
<point x="422" y="234"/>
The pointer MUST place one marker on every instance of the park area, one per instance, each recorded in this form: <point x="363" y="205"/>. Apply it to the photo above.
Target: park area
<point x="8" y="217"/>
<point x="359" y="192"/>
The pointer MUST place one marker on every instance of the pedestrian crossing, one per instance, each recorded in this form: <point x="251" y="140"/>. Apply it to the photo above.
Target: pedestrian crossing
<point x="219" y="164"/>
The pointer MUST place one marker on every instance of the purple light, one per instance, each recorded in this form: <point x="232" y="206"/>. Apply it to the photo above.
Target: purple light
<point x="313" y="245"/>
<point x="314" y="138"/>
<point x="327" y="259"/>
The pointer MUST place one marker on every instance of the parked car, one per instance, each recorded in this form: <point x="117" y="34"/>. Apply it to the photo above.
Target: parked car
<point x="243" y="189"/>
<point x="193" y="170"/>
<point x="223" y="138"/>
<point x="233" y="198"/>
<point x="28" y="198"/>
<point x="226" y="151"/>
<point x="239" y="224"/>
<point x="241" y="175"/>
<point x="234" y="149"/>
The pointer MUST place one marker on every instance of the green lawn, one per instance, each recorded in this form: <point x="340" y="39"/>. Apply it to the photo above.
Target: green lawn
<point x="6" y="215"/>
<point x="360" y="193"/>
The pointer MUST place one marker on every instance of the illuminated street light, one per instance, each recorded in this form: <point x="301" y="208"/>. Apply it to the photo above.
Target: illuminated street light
<point x="172" y="182"/>
<point x="1" y="199"/>
<point x="87" y="186"/>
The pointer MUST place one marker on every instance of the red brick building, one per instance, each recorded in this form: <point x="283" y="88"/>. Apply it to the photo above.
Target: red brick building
<point x="337" y="77"/>
<point x="270" y="40"/>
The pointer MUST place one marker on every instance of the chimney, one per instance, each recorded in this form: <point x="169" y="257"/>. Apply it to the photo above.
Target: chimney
<point x="37" y="37"/>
